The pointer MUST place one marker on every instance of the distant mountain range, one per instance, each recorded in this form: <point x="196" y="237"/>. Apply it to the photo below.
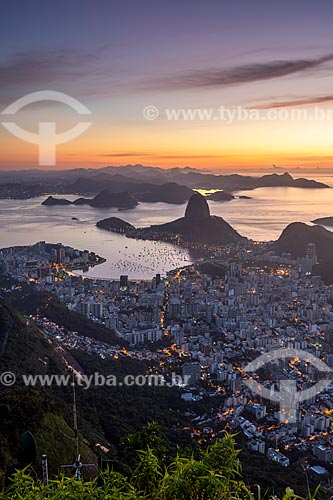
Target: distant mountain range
<point x="133" y="184"/>
<point x="190" y="178"/>
<point x="144" y="183"/>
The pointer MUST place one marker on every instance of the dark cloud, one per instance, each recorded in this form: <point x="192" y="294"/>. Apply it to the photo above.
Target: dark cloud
<point x="239" y="74"/>
<point x="295" y="102"/>
<point x="43" y="67"/>
<point x="82" y="73"/>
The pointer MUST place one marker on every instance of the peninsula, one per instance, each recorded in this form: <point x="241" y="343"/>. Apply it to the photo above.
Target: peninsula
<point x="324" y="221"/>
<point x="197" y="226"/>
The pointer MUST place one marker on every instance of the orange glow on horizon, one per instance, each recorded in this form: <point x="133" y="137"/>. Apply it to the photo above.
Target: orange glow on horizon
<point x="239" y="146"/>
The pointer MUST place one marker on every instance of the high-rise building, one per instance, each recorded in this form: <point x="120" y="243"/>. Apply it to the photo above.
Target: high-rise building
<point x="85" y="256"/>
<point x="193" y="371"/>
<point x="85" y="308"/>
<point x="96" y="309"/>
<point x="311" y="252"/>
<point x="329" y="341"/>
<point x="60" y="255"/>
<point x="124" y="281"/>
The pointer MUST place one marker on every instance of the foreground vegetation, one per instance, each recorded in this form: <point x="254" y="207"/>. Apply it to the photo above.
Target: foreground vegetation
<point x="216" y="476"/>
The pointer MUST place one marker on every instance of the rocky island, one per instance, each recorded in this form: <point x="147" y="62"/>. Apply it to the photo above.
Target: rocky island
<point x="115" y="225"/>
<point x="220" y="196"/>
<point x="51" y="201"/>
<point x="104" y="199"/>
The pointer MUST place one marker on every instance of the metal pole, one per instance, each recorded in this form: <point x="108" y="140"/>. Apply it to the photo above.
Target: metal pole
<point x="75" y="421"/>
<point x="45" y="470"/>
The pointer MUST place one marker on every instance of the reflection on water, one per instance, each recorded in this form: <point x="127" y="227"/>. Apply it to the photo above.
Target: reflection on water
<point x="262" y="217"/>
<point x="271" y="209"/>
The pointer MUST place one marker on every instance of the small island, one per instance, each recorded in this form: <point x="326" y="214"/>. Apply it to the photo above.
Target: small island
<point x="220" y="196"/>
<point x="115" y="225"/>
<point x="51" y="201"/>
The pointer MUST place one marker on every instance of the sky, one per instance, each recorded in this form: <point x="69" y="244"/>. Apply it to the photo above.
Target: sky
<point x="133" y="63"/>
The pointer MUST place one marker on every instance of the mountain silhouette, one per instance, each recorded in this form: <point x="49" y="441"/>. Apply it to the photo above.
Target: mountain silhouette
<point x="197" y="208"/>
<point x="199" y="226"/>
<point x="296" y="236"/>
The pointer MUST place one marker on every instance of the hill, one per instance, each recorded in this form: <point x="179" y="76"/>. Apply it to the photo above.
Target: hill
<point x="107" y="199"/>
<point x="296" y="237"/>
<point x="45" y="412"/>
<point x="198" y="225"/>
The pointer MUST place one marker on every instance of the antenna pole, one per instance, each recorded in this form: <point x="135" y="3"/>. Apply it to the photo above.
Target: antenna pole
<point x="75" y="421"/>
<point x="77" y="463"/>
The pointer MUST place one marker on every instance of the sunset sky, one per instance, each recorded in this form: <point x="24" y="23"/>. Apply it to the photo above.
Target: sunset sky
<point x="119" y="57"/>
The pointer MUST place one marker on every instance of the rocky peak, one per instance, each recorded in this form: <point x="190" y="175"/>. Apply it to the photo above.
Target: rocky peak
<point x="197" y="208"/>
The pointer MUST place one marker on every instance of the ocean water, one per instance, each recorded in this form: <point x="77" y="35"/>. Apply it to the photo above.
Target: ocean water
<point x="261" y="218"/>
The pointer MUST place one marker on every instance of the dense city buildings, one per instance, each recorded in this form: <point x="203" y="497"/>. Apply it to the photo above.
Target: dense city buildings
<point x="207" y="328"/>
